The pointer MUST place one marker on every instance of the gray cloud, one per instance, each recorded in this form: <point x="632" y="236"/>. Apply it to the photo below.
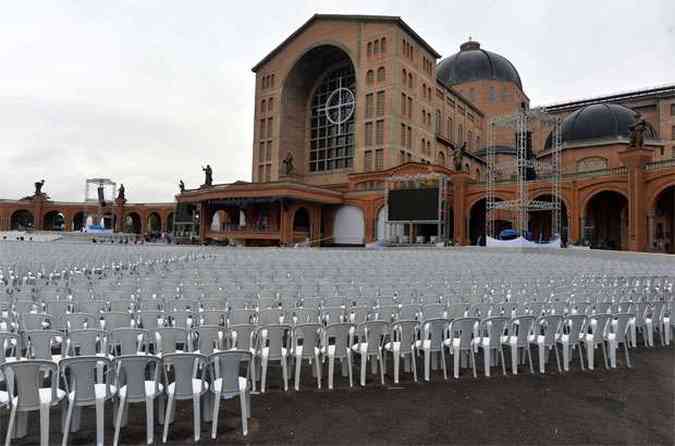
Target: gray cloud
<point x="146" y="92"/>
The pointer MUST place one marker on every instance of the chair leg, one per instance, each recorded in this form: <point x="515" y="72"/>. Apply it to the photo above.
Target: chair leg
<point x="10" y="426"/>
<point x="284" y="371"/>
<point x="44" y="424"/>
<point x="167" y="416"/>
<point x="566" y="353"/>
<point x="557" y="357"/>
<point x="611" y="345"/>
<point x="473" y="362"/>
<point x="486" y="360"/>
<point x="149" y="419"/>
<point x="380" y="356"/>
<point x="118" y="421"/>
<point x="196" y="416"/>
<point x="364" y="358"/>
<point x="317" y="365"/>
<point x="349" y="367"/>
<point x="625" y="350"/>
<point x="604" y="355"/>
<point x="455" y="361"/>
<point x="214" y="423"/>
<point x="580" y="347"/>
<point x="397" y="358"/>
<point x="514" y="358"/>
<point x="427" y="362"/>
<point x="529" y="358"/>
<point x="253" y="374"/>
<point x="501" y="353"/>
<point x="590" y="353"/>
<point x="331" y="368"/>
<point x="541" y="350"/>
<point x="69" y="416"/>
<point x="263" y="372"/>
<point x="100" y="422"/>
<point x="443" y="364"/>
<point x="414" y="364"/>
<point x="244" y="413"/>
<point x="298" y="366"/>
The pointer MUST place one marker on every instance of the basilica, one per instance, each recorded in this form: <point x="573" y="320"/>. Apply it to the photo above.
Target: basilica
<point x="348" y="101"/>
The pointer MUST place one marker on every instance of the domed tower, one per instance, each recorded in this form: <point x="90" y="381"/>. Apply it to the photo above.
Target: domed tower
<point x="488" y="80"/>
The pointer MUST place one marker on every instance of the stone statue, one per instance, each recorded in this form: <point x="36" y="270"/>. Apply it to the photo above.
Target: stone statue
<point x="38" y="187"/>
<point x="289" y="165"/>
<point x="458" y="157"/>
<point x="181" y="186"/>
<point x="208" y="175"/>
<point x="121" y="194"/>
<point x="637" y="131"/>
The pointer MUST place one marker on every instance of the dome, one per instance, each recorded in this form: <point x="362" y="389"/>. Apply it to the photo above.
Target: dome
<point x="597" y="121"/>
<point x="475" y="64"/>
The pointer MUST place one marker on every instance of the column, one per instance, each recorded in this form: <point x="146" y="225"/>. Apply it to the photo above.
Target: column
<point x="460" y="216"/>
<point x="634" y="159"/>
<point x="651" y="227"/>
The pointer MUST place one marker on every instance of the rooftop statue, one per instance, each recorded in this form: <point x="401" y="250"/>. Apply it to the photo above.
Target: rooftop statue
<point x="637" y="131"/>
<point x="208" y="175"/>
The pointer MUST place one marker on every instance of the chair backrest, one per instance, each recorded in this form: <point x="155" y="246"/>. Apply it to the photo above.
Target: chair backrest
<point x="549" y="327"/>
<point x="85" y="342"/>
<point x="434" y="330"/>
<point x="457" y="310"/>
<point x="374" y="333"/>
<point x="184" y="366"/>
<point x="129" y="340"/>
<point x="275" y="337"/>
<point x="574" y="326"/>
<point x="387" y="313"/>
<point x="333" y="315"/>
<point x="464" y="330"/>
<point x="133" y="371"/>
<point x="358" y="314"/>
<point x="340" y="335"/>
<point x="305" y="315"/>
<point x="493" y="328"/>
<point x="166" y="339"/>
<point x="151" y="319"/>
<point x="434" y="311"/>
<point x="78" y="321"/>
<point x="623" y="324"/>
<point x="80" y="375"/>
<point x="242" y="336"/>
<point x="210" y="338"/>
<point x="9" y="342"/>
<point x="599" y="324"/>
<point x="212" y="317"/>
<point x="521" y="327"/>
<point x="227" y="366"/>
<point x="409" y="312"/>
<point x="37" y="321"/>
<point x="181" y="319"/>
<point x="24" y="378"/>
<point x="241" y="316"/>
<point x="113" y="320"/>
<point x="40" y="343"/>
<point x="405" y="332"/>
<point x="309" y="336"/>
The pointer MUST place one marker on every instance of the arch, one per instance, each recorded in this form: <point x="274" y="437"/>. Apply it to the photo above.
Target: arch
<point x="599" y="190"/>
<point x="218" y="221"/>
<point x="300" y="90"/>
<point x="539" y="222"/>
<point x="605" y="220"/>
<point x="350" y="226"/>
<point x="133" y="223"/>
<point x="79" y="221"/>
<point x="441" y="159"/>
<point x="21" y="220"/>
<point x="54" y="221"/>
<point x="153" y="223"/>
<point x="301" y="221"/>
<point x="655" y="197"/>
<point x="381" y="74"/>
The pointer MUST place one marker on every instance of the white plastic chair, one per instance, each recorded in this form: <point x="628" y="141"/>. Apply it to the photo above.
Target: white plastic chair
<point x="462" y="336"/>
<point x="599" y="326"/>
<point x="82" y="376"/>
<point x="85" y="342"/>
<point x="372" y="336"/>
<point x="273" y="345"/>
<point x="492" y="337"/>
<point x="128" y="341"/>
<point x="25" y="394"/>
<point x="546" y="336"/>
<point x="403" y="342"/>
<point x="520" y="335"/>
<point x="228" y="383"/>
<point x="337" y="339"/>
<point x="184" y="386"/>
<point x="620" y="334"/>
<point x="306" y="345"/>
<point x="571" y="337"/>
<point x="432" y="340"/>
<point x="135" y="387"/>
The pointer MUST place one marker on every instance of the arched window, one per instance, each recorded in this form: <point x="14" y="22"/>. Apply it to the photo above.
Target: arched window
<point x="370" y="49"/>
<point x="441" y="158"/>
<point x="460" y="134"/>
<point x="263" y="107"/>
<point x="383" y="45"/>
<point x="469" y="143"/>
<point x="410" y="80"/>
<point x="380" y="74"/>
<point x="332" y="142"/>
<point x="477" y="142"/>
<point x="376" y="47"/>
<point x="404" y="77"/>
<point x="270" y="104"/>
<point x="370" y="77"/>
<point x="451" y="133"/>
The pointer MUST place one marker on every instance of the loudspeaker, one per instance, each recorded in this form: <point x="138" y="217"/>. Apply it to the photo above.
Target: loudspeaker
<point x="101" y="196"/>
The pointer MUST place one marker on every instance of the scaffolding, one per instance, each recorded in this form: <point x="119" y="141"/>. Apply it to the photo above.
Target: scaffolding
<point x="546" y="169"/>
<point x="107" y="189"/>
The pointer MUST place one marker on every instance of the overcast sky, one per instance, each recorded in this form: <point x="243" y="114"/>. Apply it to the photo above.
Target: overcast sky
<point x="145" y="92"/>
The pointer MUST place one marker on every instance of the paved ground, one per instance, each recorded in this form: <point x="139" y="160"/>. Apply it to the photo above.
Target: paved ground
<point x="622" y="406"/>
